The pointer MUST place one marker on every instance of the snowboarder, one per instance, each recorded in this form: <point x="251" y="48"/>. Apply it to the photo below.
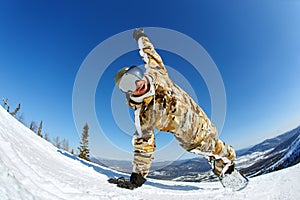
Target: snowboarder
<point x="160" y="103"/>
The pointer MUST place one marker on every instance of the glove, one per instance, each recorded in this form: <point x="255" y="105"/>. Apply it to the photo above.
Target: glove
<point x="137" y="33"/>
<point x="136" y="180"/>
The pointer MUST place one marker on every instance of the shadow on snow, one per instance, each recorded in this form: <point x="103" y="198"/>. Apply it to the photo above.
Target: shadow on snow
<point x="110" y="174"/>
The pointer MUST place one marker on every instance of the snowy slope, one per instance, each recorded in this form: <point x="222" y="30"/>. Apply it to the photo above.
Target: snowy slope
<point x="31" y="168"/>
<point x="290" y="157"/>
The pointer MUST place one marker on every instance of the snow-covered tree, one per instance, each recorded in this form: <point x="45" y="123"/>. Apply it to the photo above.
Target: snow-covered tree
<point x="21" y="118"/>
<point x="46" y="137"/>
<point x="65" y="145"/>
<point x="84" y="149"/>
<point x="57" y="142"/>
<point x="33" y="126"/>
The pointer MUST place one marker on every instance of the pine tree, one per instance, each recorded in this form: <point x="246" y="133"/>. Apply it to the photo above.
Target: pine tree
<point x="33" y="126"/>
<point x="5" y="101"/>
<point x="56" y="142"/>
<point x="16" y="110"/>
<point x="83" y="149"/>
<point x="46" y="137"/>
<point x="39" y="133"/>
<point x="21" y="118"/>
<point x="65" y="145"/>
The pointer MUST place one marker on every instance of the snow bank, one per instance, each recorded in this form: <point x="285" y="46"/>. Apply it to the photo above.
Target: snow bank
<point x="32" y="168"/>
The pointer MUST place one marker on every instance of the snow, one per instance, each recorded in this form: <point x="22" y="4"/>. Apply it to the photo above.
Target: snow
<point x="32" y="168"/>
<point x="292" y="151"/>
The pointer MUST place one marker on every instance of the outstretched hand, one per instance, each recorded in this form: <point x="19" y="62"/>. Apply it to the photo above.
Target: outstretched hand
<point x="137" y="33"/>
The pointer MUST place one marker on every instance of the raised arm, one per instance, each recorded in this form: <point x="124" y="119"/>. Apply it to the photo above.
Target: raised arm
<point x="151" y="58"/>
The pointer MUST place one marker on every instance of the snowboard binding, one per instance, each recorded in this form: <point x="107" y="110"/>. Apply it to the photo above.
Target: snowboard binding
<point x="228" y="175"/>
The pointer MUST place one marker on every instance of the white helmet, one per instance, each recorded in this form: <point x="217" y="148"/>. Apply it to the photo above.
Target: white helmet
<point x="125" y="78"/>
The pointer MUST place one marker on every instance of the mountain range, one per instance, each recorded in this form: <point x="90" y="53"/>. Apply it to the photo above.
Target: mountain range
<point x="270" y="155"/>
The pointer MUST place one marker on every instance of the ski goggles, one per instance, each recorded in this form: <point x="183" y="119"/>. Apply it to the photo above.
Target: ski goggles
<point x="127" y="81"/>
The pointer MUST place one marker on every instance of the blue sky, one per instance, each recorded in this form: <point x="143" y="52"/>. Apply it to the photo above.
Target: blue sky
<point x="255" y="45"/>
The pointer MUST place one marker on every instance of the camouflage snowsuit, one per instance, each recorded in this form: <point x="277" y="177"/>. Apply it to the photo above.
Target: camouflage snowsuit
<point x="168" y="108"/>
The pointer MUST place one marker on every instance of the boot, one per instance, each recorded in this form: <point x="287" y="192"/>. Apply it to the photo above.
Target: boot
<point x="219" y="167"/>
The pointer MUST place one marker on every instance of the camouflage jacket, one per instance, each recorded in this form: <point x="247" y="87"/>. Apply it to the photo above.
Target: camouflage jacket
<point x="168" y="108"/>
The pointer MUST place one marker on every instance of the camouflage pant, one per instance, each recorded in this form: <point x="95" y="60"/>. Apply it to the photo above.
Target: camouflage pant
<point x="193" y="130"/>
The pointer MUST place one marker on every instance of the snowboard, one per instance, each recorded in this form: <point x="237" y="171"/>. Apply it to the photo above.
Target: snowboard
<point x="235" y="180"/>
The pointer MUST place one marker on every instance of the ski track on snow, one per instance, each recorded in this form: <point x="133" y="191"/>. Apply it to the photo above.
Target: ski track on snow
<point x="32" y="169"/>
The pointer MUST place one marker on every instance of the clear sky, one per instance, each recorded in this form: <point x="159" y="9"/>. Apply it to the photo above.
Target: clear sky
<point x="254" y="44"/>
